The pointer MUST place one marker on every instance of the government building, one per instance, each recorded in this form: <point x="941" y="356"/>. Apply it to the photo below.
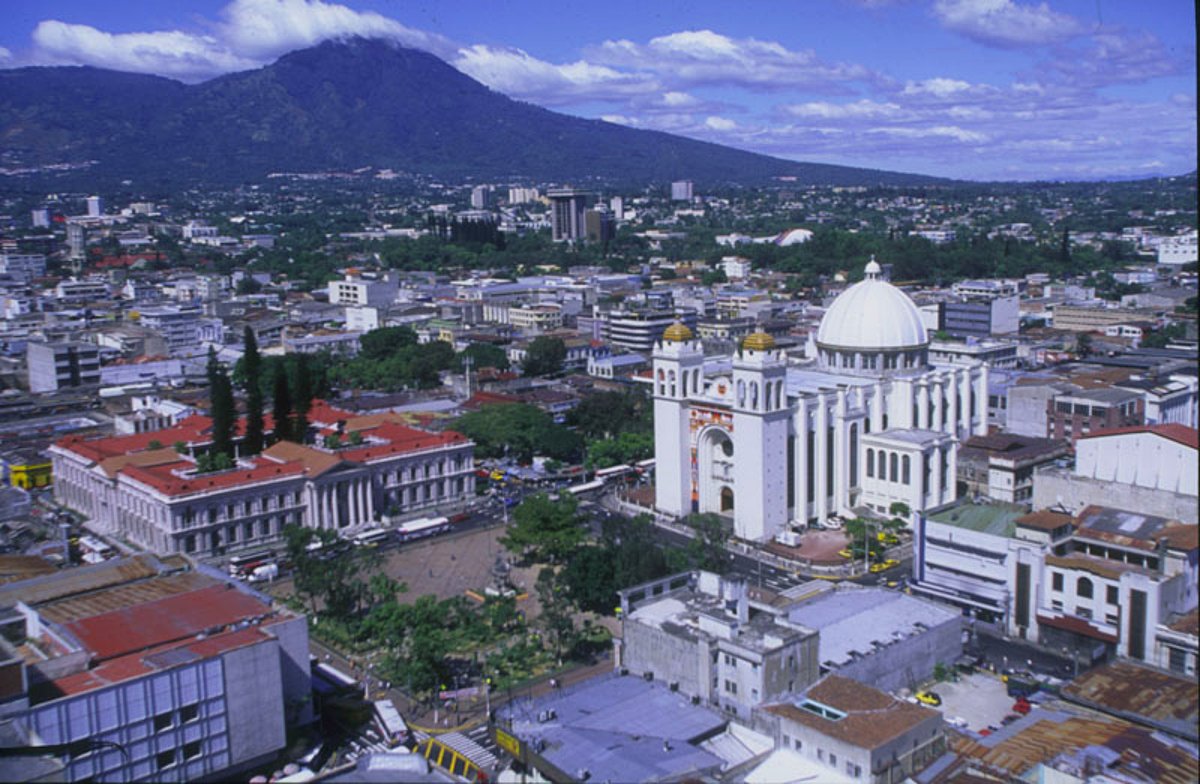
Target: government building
<point x="861" y="424"/>
<point x="146" y="487"/>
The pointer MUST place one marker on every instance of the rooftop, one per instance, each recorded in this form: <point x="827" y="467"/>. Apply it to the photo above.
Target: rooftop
<point x="619" y="728"/>
<point x="856" y="622"/>
<point x="997" y="519"/>
<point x="872" y="717"/>
<point x="1140" y="694"/>
<point x="1134" y="529"/>
<point x="1180" y="434"/>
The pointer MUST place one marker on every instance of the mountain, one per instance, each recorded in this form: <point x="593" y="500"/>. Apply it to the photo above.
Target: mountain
<point x="344" y="105"/>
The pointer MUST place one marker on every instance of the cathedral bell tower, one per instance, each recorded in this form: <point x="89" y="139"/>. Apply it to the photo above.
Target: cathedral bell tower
<point x="678" y="374"/>
<point x="760" y="435"/>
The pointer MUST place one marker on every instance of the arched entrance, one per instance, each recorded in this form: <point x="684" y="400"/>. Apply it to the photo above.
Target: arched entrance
<point x="714" y="468"/>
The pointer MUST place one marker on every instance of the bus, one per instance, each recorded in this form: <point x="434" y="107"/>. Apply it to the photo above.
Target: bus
<point x="94" y="550"/>
<point x="645" y="466"/>
<point x="371" y="537"/>
<point x="243" y="565"/>
<point x="618" y="473"/>
<point x="586" y="489"/>
<point x="391" y="723"/>
<point x="425" y="526"/>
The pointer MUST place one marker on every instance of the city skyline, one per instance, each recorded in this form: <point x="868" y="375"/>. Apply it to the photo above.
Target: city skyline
<point x="971" y="89"/>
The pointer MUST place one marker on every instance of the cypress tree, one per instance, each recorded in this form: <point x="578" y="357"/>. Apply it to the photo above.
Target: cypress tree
<point x="221" y="406"/>
<point x="252" y="364"/>
<point x="304" y="397"/>
<point x="282" y="410"/>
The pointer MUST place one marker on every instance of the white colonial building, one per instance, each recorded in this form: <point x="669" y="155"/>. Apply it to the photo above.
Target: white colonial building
<point x="866" y="423"/>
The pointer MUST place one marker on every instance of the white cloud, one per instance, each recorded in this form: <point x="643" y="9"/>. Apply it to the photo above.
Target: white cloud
<point x="5" y="54"/>
<point x="933" y="131"/>
<point x="938" y="86"/>
<point x="518" y="74"/>
<point x="857" y="110"/>
<point x="169" y="53"/>
<point x="268" y="28"/>
<point x="704" y="57"/>
<point x="1006" y="24"/>
<point x="719" y="123"/>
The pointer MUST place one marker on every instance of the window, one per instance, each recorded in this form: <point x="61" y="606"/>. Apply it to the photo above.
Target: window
<point x="906" y="465"/>
<point x="799" y="745"/>
<point x="1083" y="588"/>
<point x="871" y="463"/>
<point x="189" y="713"/>
<point x="1177" y="660"/>
<point x="1058" y="581"/>
<point x="731" y="687"/>
<point x="191" y="750"/>
<point x="1113" y="595"/>
<point x="163" y="721"/>
<point x="1084" y="612"/>
<point x="833" y="760"/>
<point x="165" y="759"/>
<point x="821" y="754"/>
<point x="1056" y="604"/>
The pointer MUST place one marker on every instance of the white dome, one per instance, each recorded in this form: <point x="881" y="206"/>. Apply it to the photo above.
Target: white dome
<point x="872" y="314"/>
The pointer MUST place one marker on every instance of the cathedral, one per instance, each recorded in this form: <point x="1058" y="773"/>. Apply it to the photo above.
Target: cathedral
<point x="863" y="423"/>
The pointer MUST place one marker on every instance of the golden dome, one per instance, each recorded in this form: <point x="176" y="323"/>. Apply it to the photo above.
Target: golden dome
<point x="677" y="333"/>
<point x="759" y="341"/>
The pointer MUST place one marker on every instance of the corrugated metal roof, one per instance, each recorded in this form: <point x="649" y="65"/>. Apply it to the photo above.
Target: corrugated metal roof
<point x="1144" y="695"/>
<point x="146" y="625"/>
<point x="47" y="588"/>
<point x="122" y="596"/>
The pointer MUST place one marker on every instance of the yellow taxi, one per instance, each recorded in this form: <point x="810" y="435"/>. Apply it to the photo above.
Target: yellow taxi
<point x="929" y="698"/>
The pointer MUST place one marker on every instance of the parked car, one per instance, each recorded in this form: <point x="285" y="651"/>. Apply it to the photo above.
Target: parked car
<point x="929" y="698"/>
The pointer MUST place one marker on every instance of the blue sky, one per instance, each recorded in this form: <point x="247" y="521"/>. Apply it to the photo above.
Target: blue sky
<point x="975" y="89"/>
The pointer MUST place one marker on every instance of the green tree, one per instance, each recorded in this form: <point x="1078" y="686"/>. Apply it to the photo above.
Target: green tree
<point x="556" y="617"/>
<point x="483" y="355"/>
<point x="707" y="548"/>
<point x="544" y="356"/>
<point x="252" y="365"/>
<point x="605" y="414"/>
<point x="281" y="411"/>
<point x="625" y="448"/>
<point x="386" y="342"/>
<point x="221" y="403"/>
<point x="303" y="398"/>
<point x="519" y="431"/>
<point x="545" y="530"/>
<point x="1083" y="344"/>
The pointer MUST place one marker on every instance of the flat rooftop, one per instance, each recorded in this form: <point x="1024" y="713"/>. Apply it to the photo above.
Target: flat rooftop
<point x="860" y="621"/>
<point x="618" y="728"/>
<point x="997" y="519"/>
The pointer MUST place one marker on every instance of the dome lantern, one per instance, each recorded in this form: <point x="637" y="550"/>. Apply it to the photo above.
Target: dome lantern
<point x="678" y="332"/>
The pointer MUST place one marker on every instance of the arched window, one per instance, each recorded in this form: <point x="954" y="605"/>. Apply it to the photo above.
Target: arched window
<point x="741" y="393"/>
<point x="754" y="395"/>
<point x="893" y="459"/>
<point x="696" y="386"/>
<point x="871" y="463"/>
<point x="662" y="386"/>
<point x="671" y="381"/>
<point x="1083" y="588"/>
<point x="906" y="472"/>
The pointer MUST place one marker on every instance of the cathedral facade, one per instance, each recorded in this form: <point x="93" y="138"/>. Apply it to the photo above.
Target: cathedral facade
<point x="862" y="424"/>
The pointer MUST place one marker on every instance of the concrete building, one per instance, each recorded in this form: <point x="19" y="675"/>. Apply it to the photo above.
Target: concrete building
<point x="980" y="317"/>
<point x="1106" y="588"/>
<point x="179" y="326"/>
<point x="884" y="639"/>
<point x="640" y="330"/>
<point x="1084" y="318"/>
<point x="568" y="208"/>
<point x="23" y="266"/>
<point x="77" y="292"/>
<point x="1001" y="467"/>
<point x="695" y="632"/>
<point x="180" y="674"/>
<point x="1075" y="413"/>
<point x="95" y="206"/>
<point x="1178" y="251"/>
<point x="682" y="190"/>
<point x="143" y="488"/>
<point x="357" y="291"/>
<point x="1171" y="400"/>
<point x="54" y="366"/>
<point x="76" y="241"/>
<point x="865" y="424"/>
<point x="843" y="731"/>
<point x="1152" y="468"/>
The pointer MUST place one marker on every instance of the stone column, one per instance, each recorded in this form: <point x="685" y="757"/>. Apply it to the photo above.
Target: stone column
<point x="800" y="502"/>
<point x="952" y="474"/>
<point x="952" y="387"/>
<point x="964" y="390"/>
<point x="923" y="406"/>
<point x="841" y="455"/>
<point x="820" y="498"/>
<point x="935" y="479"/>
<point x="981" y="428"/>
<point x="938" y="391"/>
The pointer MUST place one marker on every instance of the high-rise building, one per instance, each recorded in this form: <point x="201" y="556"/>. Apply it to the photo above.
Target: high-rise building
<point x="95" y="206"/>
<point x="41" y="218"/>
<point x="76" y="241"/>
<point x="53" y="366"/>
<point x="600" y="225"/>
<point x="481" y="197"/>
<point x="568" y="213"/>
<point x="681" y="190"/>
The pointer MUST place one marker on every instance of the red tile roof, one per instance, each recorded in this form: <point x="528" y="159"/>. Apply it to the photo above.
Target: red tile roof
<point x="1180" y="434"/>
<point x="174" y="618"/>
<point x="165" y="479"/>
